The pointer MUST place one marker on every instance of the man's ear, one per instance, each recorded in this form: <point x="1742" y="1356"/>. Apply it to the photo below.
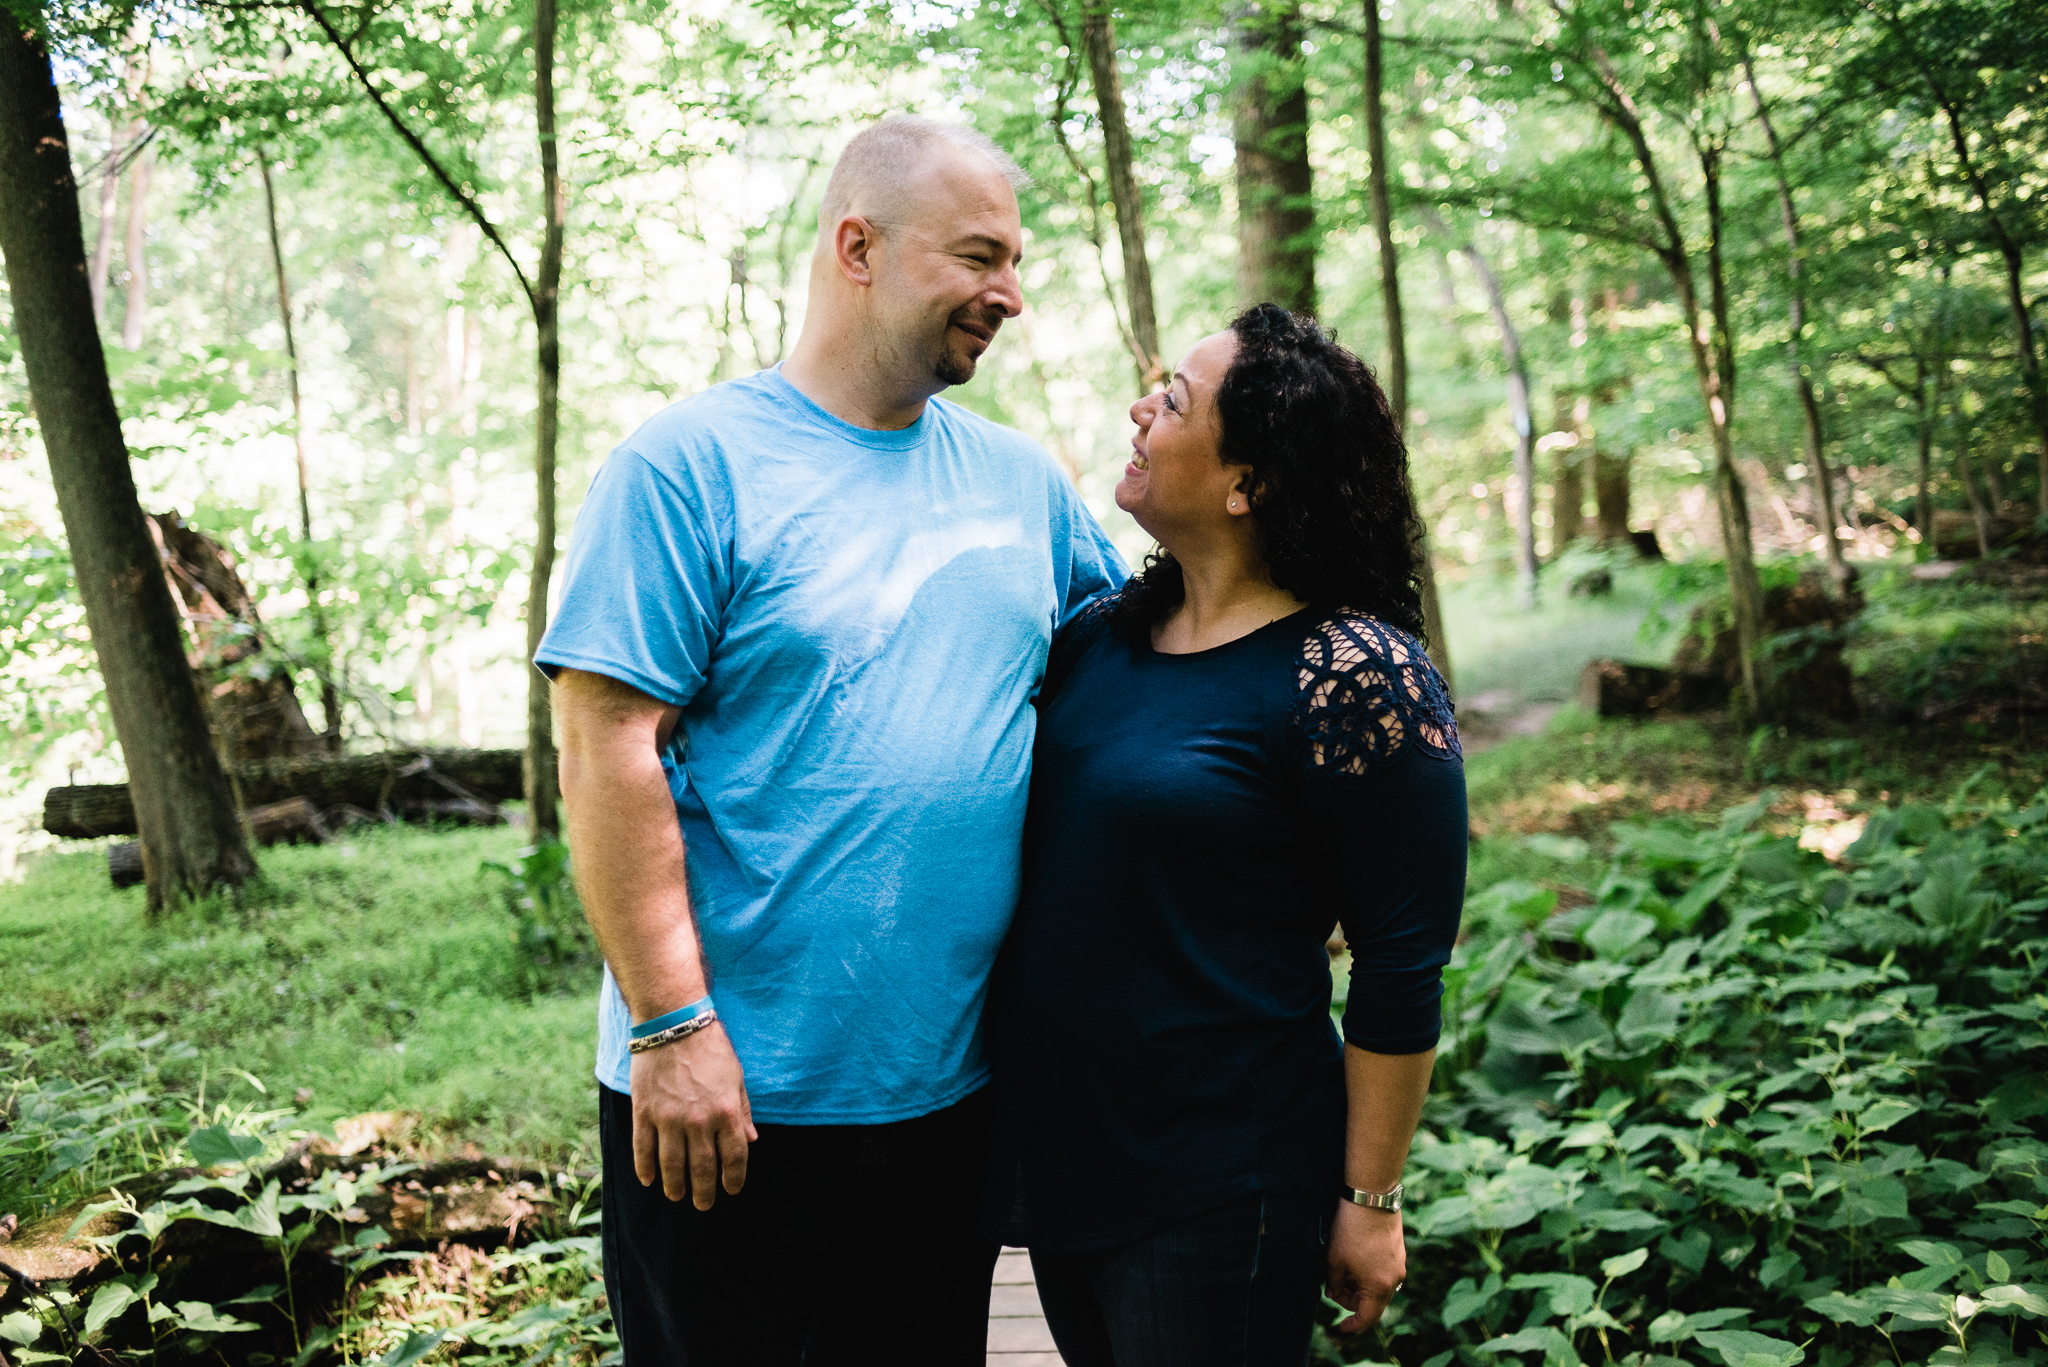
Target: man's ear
<point x="853" y="241"/>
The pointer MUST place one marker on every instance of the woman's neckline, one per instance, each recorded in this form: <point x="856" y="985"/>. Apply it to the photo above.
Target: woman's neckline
<point x="1231" y="644"/>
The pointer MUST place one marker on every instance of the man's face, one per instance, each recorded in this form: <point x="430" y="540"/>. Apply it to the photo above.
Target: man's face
<point x="945" y="278"/>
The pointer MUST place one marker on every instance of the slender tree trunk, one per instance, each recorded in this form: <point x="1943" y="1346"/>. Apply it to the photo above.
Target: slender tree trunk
<point x="192" y="839"/>
<point x="1276" y="219"/>
<point x="1568" y="482"/>
<point x="1713" y="358"/>
<point x="2010" y="251"/>
<point x="1809" y="403"/>
<point x="1610" y="496"/>
<point x="1098" y="34"/>
<point x="1518" y="414"/>
<point x="103" y="230"/>
<point x="138" y="252"/>
<point x="1397" y="332"/>
<point x="1978" y="512"/>
<point x="1715" y="364"/>
<point x="330" y="699"/>
<point x="542" y="778"/>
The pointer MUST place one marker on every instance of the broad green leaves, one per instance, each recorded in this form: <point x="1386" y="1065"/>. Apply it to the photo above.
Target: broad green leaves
<point x="216" y="1146"/>
<point x="1795" y="1107"/>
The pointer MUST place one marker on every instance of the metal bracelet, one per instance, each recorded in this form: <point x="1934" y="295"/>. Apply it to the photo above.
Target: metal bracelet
<point x="1372" y="1200"/>
<point x="672" y="1034"/>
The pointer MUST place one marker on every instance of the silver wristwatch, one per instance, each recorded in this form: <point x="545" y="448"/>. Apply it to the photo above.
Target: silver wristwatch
<point x="1373" y="1200"/>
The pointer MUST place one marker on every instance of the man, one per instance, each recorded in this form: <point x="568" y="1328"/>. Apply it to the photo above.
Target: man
<point x="802" y="620"/>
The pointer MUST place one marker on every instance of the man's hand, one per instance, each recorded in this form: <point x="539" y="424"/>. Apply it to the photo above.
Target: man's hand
<point x="1368" y="1260"/>
<point x="691" y="1120"/>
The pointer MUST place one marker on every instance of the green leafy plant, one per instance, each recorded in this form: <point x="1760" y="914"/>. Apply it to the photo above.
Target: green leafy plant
<point x="1745" y="1107"/>
<point x="547" y="922"/>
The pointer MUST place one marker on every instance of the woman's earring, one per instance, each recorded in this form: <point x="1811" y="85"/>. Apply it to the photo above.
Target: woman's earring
<point x="1233" y="505"/>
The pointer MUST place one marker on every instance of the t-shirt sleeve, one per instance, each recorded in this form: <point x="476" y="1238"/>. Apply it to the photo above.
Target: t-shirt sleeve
<point x="1383" y="791"/>
<point x="643" y="587"/>
<point x="1084" y="558"/>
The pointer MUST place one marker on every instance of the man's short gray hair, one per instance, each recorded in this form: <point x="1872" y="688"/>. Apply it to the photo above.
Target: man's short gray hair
<point x="883" y="153"/>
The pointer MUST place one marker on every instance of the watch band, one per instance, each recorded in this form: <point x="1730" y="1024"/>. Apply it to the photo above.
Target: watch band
<point x="1373" y="1200"/>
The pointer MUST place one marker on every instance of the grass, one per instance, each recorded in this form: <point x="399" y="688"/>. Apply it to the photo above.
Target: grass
<point x="375" y="973"/>
<point x="1535" y="655"/>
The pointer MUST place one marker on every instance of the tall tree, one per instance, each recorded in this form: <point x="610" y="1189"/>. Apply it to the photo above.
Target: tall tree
<point x="137" y="314"/>
<point x="1390" y="300"/>
<point x="543" y="297"/>
<point x="1692" y="85"/>
<point x="1809" y="402"/>
<point x="543" y="780"/>
<point x="1098" y="35"/>
<point x="1518" y="395"/>
<point x="330" y="697"/>
<point x="1974" y="65"/>
<point x="192" y="839"/>
<point x="1137" y="291"/>
<point x="1276" y="217"/>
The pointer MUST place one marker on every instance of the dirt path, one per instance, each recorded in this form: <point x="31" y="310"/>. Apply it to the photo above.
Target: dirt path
<point x="1486" y="719"/>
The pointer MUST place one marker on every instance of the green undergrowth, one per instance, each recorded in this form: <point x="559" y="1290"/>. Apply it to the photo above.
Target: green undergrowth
<point x="388" y="970"/>
<point x="1741" y="1105"/>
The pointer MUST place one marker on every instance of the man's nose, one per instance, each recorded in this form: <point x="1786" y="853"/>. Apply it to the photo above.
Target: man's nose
<point x="1006" y="294"/>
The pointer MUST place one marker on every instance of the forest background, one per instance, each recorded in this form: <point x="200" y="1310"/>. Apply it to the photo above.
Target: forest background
<point x="1572" y="192"/>
<point x="1712" y="324"/>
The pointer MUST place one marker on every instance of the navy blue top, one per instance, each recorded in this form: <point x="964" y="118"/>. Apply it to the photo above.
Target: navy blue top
<point x="1159" y="1023"/>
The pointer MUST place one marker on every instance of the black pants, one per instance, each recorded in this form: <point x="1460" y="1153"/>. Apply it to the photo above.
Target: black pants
<point x="1236" y="1286"/>
<point x="851" y="1244"/>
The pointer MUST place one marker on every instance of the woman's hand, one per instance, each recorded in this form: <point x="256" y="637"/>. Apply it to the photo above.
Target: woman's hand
<point x="1368" y="1260"/>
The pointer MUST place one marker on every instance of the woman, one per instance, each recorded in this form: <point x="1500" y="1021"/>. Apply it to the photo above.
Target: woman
<point x="1241" y="747"/>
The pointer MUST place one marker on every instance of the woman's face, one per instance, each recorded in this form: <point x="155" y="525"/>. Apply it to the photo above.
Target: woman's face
<point x="1176" y="480"/>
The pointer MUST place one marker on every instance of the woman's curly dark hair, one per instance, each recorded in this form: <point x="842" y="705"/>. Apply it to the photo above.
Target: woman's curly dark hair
<point x="1335" y="517"/>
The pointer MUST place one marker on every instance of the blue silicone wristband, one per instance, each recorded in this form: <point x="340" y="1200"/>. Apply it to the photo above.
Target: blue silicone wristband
<point x="676" y="1017"/>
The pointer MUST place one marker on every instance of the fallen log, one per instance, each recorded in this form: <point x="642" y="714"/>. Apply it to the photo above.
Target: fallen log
<point x="1616" y="688"/>
<point x="393" y="780"/>
<point x="293" y="821"/>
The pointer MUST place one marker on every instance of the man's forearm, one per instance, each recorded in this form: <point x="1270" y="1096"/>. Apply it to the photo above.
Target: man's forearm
<point x="1384" y="1093"/>
<point x="628" y="848"/>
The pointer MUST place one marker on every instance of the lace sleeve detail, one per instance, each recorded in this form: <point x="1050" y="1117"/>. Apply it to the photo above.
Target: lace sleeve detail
<point x="1366" y="692"/>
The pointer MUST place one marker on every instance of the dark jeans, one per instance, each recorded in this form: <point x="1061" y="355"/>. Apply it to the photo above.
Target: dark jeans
<point x="1233" y="1286"/>
<point x="851" y="1244"/>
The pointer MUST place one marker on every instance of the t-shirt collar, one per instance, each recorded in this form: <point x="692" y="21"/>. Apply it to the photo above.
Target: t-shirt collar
<point x="903" y="439"/>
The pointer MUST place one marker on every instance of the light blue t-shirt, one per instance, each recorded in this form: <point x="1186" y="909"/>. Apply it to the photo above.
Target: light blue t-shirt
<point x="854" y="624"/>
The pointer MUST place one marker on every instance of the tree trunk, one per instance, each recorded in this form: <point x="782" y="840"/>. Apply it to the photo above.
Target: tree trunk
<point x="1568" y="476"/>
<point x="1098" y="34"/>
<point x="1276" y="219"/>
<point x="1518" y="414"/>
<point x="1978" y="512"/>
<point x="1610" y="497"/>
<point x="542" y="779"/>
<point x="1713" y="356"/>
<point x="1397" y="333"/>
<point x="138" y="252"/>
<point x="1715" y="366"/>
<point x="103" y="230"/>
<point x="1809" y="404"/>
<point x="330" y="699"/>
<point x="2010" y="252"/>
<point x="185" y="809"/>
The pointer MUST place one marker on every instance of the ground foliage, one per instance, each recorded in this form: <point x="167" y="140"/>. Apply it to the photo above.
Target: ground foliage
<point x="1743" y="1105"/>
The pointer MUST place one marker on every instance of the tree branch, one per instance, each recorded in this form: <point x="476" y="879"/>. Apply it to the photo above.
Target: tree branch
<point x="412" y="140"/>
